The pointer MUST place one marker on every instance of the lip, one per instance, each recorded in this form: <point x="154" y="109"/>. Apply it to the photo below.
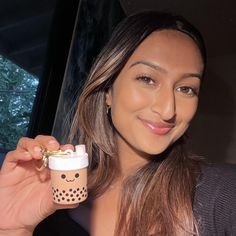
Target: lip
<point x="158" y="128"/>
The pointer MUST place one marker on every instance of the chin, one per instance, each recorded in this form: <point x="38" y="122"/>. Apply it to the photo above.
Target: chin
<point x="154" y="151"/>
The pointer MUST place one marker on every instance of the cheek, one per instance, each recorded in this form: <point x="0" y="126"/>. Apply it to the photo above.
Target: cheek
<point x="131" y="99"/>
<point x="187" y="111"/>
<point x="128" y="102"/>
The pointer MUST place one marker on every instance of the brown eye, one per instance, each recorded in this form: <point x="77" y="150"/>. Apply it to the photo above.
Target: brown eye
<point x="146" y="79"/>
<point x="189" y="91"/>
<point x="77" y="175"/>
<point x="63" y="176"/>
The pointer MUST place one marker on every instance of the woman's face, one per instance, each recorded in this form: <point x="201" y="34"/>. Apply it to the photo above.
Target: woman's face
<point x="155" y="96"/>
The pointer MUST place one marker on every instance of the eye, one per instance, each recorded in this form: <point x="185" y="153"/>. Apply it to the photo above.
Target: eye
<point x="63" y="176"/>
<point x="146" y="79"/>
<point x="189" y="91"/>
<point x="77" y="175"/>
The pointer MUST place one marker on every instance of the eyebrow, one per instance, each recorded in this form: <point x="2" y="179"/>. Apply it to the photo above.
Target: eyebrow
<point x="150" y="64"/>
<point x="196" y="75"/>
<point x="156" y="67"/>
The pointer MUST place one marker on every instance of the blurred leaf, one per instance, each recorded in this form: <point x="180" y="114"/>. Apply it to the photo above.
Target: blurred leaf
<point x="17" y="94"/>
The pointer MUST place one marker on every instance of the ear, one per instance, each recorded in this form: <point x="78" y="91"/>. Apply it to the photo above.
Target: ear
<point x="109" y="97"/>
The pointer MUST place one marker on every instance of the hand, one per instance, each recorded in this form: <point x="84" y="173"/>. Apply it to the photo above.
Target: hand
<point x="25" y="192"/>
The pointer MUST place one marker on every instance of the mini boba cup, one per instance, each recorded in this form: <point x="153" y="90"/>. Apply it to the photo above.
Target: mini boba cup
<point x="69" y="176"/>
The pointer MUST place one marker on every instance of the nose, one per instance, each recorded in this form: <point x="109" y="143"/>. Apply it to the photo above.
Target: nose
<point x="164" y="104"/>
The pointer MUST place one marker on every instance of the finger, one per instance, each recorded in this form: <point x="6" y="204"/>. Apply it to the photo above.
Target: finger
<point x="52" y="206"/>
<point x="13" y="157"/>
<point x="30" y="145"/>
<point x="65" y="206"/>
<point x="44" y="175"/>
<point x="66" y="147"/>
<point x="48" y="142"/>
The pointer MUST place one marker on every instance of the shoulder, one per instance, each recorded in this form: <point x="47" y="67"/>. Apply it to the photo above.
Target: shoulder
<point x="216" y="177"/>
<point x="223" y="169"/>
<point x="215" y="199"/>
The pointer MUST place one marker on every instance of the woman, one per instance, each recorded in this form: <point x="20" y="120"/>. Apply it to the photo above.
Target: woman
<point x="139" y="100"/>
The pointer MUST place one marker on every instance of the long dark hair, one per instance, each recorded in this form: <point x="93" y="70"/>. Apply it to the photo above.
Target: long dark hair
<point x="159" y="196"/>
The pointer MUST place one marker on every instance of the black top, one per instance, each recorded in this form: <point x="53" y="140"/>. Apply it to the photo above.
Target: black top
<point x="215" y="201"/>
<point x="59" y="224"/>
<point x="214" y="207"/>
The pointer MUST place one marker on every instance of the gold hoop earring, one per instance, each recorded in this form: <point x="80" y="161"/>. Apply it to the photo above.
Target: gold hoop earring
<point x="108" y="109"/>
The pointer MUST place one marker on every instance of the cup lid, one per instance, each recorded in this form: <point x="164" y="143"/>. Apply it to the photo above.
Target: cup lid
<point x="67" y="162"/>
<point x="71" y="161"/>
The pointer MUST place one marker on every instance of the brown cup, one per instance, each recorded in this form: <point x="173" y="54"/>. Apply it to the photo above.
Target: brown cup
<point x="69" y="176"/>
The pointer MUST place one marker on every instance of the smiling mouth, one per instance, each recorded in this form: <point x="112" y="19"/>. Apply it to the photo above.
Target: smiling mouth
<point x="157" y="127"/>
<point x="70" y="180"/>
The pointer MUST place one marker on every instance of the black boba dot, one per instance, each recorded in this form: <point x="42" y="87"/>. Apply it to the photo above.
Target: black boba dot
<point x="77" y="175"/>
<point x="71" y="195"/>
<point x="73" y="199"/>
<point x="70" y="189"/>
<point x="59" y="200"/>
<point x="67" y="194"/>
<point x="63" y="198"/>
<point x="81" y="192"/>
<point x="57" y="190"/>
<point x="85" y="190"/>
<point x="60" y="194"/>
<point x="63" y="176"/>
<point x="68" y="200"/>
<point x="79" y="198"/>
<point x="63" y="191"/>
<point x="57" y="196"/>
<point x="54" y="198"/>
<point x="83" y="195"/>
<point x="77" y="195"/>
<point x="77" y="189"/>
<point x="74" y="191"/>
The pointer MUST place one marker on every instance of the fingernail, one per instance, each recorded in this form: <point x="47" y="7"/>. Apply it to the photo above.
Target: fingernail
<point x="52" y="142"/>
<point x="27" y="154"/>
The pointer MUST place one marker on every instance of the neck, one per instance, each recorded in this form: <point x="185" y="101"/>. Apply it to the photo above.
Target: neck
<point x="129" y="158"/>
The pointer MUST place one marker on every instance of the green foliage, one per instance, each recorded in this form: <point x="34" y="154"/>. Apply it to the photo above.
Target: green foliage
<point x="17" y="93"/>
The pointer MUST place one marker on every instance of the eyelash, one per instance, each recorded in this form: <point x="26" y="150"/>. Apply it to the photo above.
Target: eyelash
<point x="146" y="79"/>
<point x="149" y="81"/>
<point x="193" y="91"/>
